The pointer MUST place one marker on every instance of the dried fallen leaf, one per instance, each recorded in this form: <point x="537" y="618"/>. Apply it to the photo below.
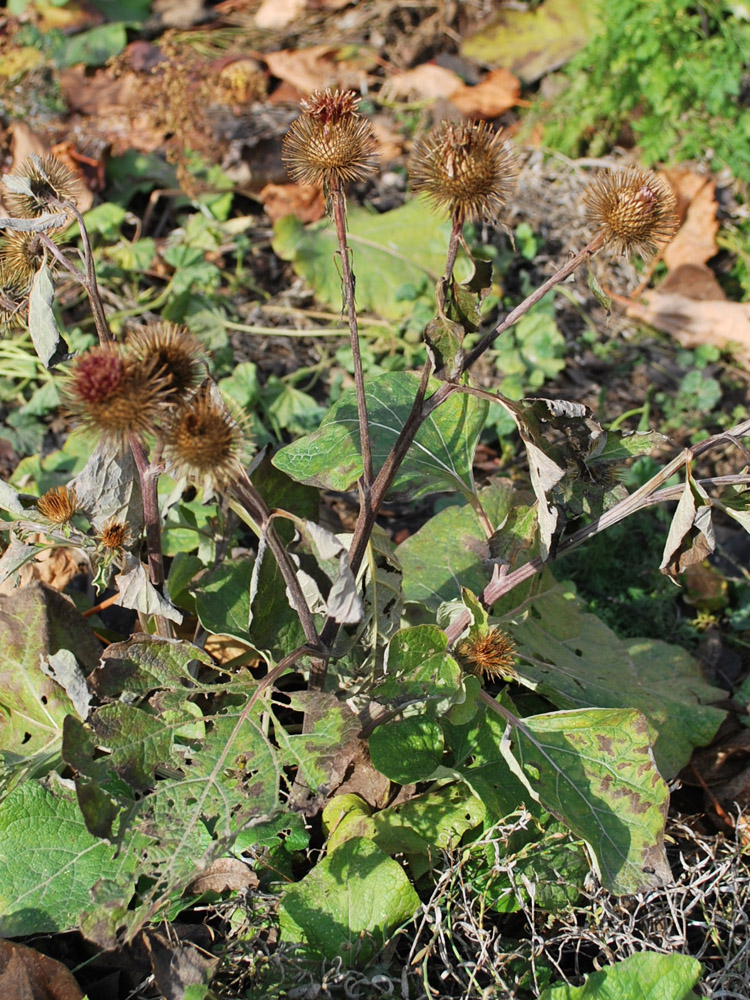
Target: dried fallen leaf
<point x="694" y="281"/>
<point x="303" y="200"/>
<point x="315" y="68"/>
<point x="224" y="875"/>
<point x="53" y="566"/>
<point x="25" y="142"/>
<point x="686" y="184"/>
<point x="178" y="964"/>
<point x="724" y="324"/>
<point x="423" y="83"/>
<point x="116" y="106"/>
<point x="695" y="243"/>
<point x="278" y="13"/>
<point x="364" y="780"/>
<point x="496" y="94"/>
<point x="26" y="974"/>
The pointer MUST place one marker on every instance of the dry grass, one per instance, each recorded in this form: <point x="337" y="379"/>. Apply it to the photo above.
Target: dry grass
<point x="457" y="948"/>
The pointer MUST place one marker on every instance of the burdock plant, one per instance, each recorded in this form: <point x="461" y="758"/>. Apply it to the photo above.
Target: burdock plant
<point x="148" y="400"/>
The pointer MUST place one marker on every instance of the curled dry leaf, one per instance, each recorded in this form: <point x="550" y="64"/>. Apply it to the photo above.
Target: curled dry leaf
<point x="497" y="93"/>
<point x="695" y="242"/>
<point x="719" y="322"/>
<point x="315" y="68"/>
<point x="224" y="875"/>
<point x="427" y="82"/>
<point x="26" y="973"/>
<point x="53" y="566"/>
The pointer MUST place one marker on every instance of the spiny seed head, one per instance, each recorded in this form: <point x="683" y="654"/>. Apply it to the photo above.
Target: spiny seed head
<point x="330" y="106"/>
<point x="21" y="256"/>
<point x="465" y="169"/>
<point x="114" y="535"/>
<point x="489" y="654"/>
<point x="329" y="143"/>
<point x="13" y="303"/>
<point x="173" y="353"/>
<point x="202" y="442"/>
<point x="634" y="209"/>
<point x="48" y="180"/>
<point x="114" y="396"/>
<point x="58" y="505"/>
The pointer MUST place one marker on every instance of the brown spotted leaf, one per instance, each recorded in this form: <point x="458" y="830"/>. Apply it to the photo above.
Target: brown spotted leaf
<point x="594" y="769"/>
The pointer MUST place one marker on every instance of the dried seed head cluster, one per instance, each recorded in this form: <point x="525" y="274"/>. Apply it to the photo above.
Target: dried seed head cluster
<point x="634" y="210"/>
<point x="330" y="144"/>
<point x="110" y="393"/>
<point x="202" y="442"/>
<point x="465" y="169"/>
<point x="47" y="180"/>
<point x="490" y="654"/>
<point x="149" y="386"/>
<point x="58" y="505"/>
<point x="173" y="353"/>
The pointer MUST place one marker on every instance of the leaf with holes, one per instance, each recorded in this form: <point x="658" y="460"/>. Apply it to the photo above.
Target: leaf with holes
<point x="175" y="795"/>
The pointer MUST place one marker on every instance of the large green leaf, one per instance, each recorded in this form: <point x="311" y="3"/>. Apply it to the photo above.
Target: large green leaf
<point x="398" y="257"/>
<point x="349" y="904"/>
<point x="593" y="769"/>
<point x="451" y="550"/>
<point x="222" y="598"/>
<point x="575" y="660"/>
<point x="48" y="860"/>
<point x="648" y="976"/>
<point x="440" y="459"/>
<point x="407" y="750"/>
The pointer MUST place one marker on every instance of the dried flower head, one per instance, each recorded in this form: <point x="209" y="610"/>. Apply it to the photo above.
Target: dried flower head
<point x="13" y="303"/>
<point x="330" y="143"/>
<point x="43" y="180"/>
<point x="58" y="505"/>
<point x="113" y="395"/>
<point x="114" y="536"/>
<point x="634" y="210"/>
<point x="464" y="168"/>
<point x="173" y="353"/>
<point x="21" y="256"/>
<point x="202" y="442"/>
<point x="489" y="654"/>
